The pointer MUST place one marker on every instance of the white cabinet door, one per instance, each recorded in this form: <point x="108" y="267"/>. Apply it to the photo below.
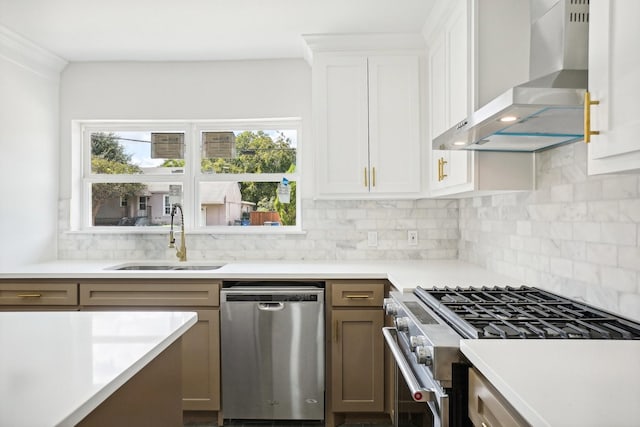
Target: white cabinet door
<point x="341" y="119"/>
<point x="458" y="65"/>
<point x="449" y="77"/>
<point x="614" y="80"/>
<point x="394" y="115"/>
<point x="367" y="124"/>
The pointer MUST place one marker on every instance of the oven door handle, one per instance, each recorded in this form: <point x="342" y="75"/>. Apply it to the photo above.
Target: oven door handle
<point x="418" y="393"/>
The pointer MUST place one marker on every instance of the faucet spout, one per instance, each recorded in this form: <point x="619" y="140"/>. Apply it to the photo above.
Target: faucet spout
<point x="181" y="252"/>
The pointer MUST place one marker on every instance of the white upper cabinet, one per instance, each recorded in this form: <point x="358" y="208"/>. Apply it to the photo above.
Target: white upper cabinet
<point x="366" y="109"/>
<point x="614" y="81"/>
<point x="476" y="50"/>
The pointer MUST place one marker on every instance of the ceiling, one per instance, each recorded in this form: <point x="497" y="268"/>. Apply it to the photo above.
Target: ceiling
<point x="184" y="30"/>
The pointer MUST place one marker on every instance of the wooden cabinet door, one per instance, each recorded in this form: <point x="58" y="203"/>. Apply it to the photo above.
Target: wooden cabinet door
<point x="357" y="361"/>
<point x="614" y="67"/>
<point x="341" y="124"/>
<point x="201" y="363"/>
<point x="394" y="116"/>
<point x="487" y="407"/>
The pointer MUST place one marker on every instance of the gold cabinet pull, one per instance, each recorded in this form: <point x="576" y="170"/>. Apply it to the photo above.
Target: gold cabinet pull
<point x="366" y="181"/>
<point x="337" y="331"/>
<point x="29" y="295"/>
<point x="587" y="117"/>
<point x="373" y="178"/>
<point x="357" y="296"/>
<point x="441" y="174"/>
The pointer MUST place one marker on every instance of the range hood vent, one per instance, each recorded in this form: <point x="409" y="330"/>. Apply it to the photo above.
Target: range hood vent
<point x="547" y="110"/>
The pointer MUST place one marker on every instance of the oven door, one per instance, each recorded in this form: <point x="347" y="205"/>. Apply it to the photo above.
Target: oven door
<point x="419" y="401"/>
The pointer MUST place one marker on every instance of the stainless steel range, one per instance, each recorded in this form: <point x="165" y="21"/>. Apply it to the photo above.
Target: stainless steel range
<point x="429" y="324"/>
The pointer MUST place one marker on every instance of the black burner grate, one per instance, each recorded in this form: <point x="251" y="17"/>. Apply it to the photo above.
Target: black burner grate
<point x="524" y="312"/>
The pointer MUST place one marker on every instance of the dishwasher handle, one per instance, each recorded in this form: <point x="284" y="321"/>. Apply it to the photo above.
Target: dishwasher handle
<point x="270" y="306"/>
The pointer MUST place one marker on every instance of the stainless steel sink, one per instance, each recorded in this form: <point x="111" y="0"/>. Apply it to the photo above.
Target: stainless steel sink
<point x="164" y="267"/>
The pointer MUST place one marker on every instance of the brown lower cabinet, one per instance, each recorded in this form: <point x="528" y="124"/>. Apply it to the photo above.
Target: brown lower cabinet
<point x="355" y="351"/>
<point x="31" y="295"/>
<point x="487" y="407"/>
<point x="200" y="344"/>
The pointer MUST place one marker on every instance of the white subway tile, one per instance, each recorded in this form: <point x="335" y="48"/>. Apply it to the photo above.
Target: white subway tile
<point x="603" y="254"/>
<point x="586" y="272"/>
<point x="619" y="279"/>
<point x="619" y="233"/>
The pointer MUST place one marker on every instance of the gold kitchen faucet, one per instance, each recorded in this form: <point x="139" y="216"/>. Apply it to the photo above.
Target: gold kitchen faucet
<point x="181" y="252"/>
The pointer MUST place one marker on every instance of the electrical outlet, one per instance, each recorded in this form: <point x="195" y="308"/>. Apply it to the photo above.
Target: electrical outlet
<point x="372" y="238"/>
<point x="412" y="237"/>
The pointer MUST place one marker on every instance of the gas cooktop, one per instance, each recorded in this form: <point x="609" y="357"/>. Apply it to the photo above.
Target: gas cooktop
<point x="523" y="312"/>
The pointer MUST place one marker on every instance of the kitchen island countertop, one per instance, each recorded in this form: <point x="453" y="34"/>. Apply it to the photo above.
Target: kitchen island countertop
<point x="564" y="383"/>
<point x="402" y="274"/>
<point x="57" y="367"/>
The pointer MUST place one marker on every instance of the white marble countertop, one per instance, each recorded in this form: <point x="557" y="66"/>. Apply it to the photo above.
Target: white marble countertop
<point x="567" y="383"/>
<point x="56" y="367"/>
<point x="402" y="274"/>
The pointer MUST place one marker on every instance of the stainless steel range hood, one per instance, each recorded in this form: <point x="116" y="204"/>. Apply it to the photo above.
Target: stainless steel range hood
<point x="546" y="111"/>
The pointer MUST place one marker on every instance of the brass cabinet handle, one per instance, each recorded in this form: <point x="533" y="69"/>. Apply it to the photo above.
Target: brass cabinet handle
<point x="587" y="117"/>
<point x="337" y="331"/>
<point x="29" y="295"/>
<point x="357" y="296"/>
<point x="441" y="174"/>
<point x="366" y="181"/>
<point x="373" y="179"/>
<point x="484" y="425"/>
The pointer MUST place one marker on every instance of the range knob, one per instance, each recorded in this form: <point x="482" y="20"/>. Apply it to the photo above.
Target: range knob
<point x="402" y="324"/>
<point x="390" y="307"/>
<point x="416" y="340"/>
<point x="423" y="355"/>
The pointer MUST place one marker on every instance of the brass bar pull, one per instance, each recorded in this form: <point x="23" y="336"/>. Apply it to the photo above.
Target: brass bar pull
<point x="373" y="179"/>
<point x="441" y="174"/>
<point x="29" y="295"/>
<point x="587" y="117"/>
<point x="357" y="296"/>
<point x="484" y="424"/>
<point x="366" y="181"/>
<point x="337" y="331"/>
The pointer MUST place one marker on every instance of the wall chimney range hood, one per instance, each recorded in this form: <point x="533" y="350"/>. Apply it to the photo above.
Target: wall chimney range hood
<point x="547" y="110"/>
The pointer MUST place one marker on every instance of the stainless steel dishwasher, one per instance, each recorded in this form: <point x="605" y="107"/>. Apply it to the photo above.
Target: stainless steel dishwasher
<point x="272" y="344"/>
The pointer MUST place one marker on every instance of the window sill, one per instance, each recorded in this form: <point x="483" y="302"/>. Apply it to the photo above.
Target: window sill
<point x="239" y="231"/>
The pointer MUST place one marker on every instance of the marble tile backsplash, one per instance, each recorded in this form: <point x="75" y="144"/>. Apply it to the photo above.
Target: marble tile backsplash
<point x="333" y="230"/>
<point x="575" y="234"/>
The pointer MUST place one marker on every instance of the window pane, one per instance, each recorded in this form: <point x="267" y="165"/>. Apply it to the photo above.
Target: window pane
<point x="249" y="151"/>
<point x="153" y="207"/>
<point x="144" y="152"/>
<point x="245" y="204"/>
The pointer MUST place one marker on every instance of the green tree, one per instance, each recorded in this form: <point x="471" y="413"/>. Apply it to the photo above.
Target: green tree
<point x="257" y="152"/>
<point x="109" y="157"/>
<point x="287" y="211"/>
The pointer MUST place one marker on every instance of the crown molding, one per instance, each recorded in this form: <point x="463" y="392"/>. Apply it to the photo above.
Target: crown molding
<point x="23" y="52"/>
<point x="361" y="42"/>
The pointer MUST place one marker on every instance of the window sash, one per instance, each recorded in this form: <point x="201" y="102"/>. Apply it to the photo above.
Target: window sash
<point x="192" y="177"/>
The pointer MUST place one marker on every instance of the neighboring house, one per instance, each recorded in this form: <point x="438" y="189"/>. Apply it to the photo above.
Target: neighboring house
<point x="220" y="204"/>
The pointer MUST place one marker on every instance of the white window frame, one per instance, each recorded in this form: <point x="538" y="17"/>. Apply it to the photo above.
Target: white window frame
<point x="190" y="179"/>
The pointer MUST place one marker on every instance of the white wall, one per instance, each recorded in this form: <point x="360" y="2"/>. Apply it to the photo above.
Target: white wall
<point x="182" y="90"/>
<point x="29" y="81"/>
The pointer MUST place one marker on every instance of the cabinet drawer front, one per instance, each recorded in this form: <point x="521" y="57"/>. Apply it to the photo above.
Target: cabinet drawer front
<point x="487" y="407"/>
<point x="38" y="293"/>
<point x="167" y="294"/>
<point x="357" y="294"/>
